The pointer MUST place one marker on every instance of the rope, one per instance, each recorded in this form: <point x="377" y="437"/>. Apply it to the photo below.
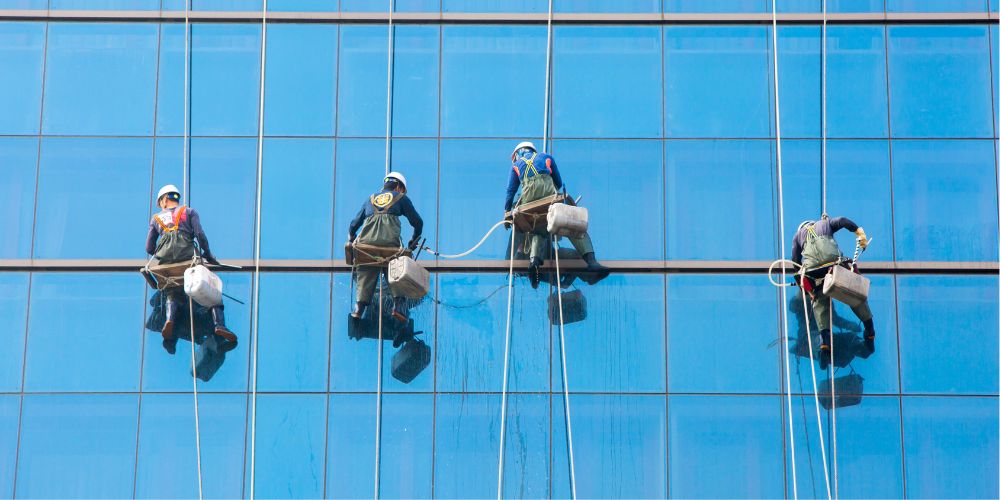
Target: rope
<point x="256" y="250"/>
<point x="388" y="93"/>
<point x="194" y="384"/>
<point x="548" y="74"/>
<point x="473" y="249"/>
<point x="565" y="379"/>
<point x="812" y="369"/>
<point x="781" y="242"/>
<point x="506" y="364"/>
<point x="823" y="113"/>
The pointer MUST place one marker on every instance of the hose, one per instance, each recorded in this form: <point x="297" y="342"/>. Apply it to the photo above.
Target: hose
<point x="473" y="249"/>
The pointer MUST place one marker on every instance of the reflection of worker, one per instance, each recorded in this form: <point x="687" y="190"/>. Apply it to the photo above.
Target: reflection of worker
<point x="537" y="176"/>
<point x="378" y="221"/>
<point x="171" y="239"/>
<point x="814" y="248"/>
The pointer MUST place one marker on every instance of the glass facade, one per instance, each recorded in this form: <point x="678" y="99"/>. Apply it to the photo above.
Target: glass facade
<point x="674" y="363"/>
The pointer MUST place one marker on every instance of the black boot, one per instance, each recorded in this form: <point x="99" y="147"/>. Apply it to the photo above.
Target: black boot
<point x="599" y="272"/>
<point x="870" y="336"/>
<point x="534" y="276"/>
<point x="219" y="319"/>
<point x="170" y="311"/>
<point x="824" y="349"/>
<point x="359" y="310"/>
<point x="399" y="309"/>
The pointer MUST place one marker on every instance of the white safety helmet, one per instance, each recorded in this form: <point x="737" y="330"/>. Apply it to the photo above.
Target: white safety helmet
<point x="804" y="224"/>
<point x="168" y="189"/>
<point x="525" y="144"/>
<point x="398" y="177"/>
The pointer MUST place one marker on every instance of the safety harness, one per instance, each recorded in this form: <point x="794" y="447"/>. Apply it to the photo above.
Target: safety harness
<point x="174" y="245"/>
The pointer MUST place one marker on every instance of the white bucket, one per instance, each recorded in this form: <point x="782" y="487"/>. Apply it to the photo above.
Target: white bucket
<point x="567" y="220"/>
<point x="408" y="279"/>
<point x="846" y="286"/>
<point x="203" y="286"/>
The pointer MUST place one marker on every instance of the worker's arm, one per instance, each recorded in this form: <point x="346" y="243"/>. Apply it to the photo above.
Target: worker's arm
<point x="513" y="182"/>
<point x="406" y="206"/>
<point x="797" y="249"/>
<point x="838" y="223"/>
<point x="556" y="178"/>
<point x="359" y="219"/>
<point x="199" y="234"/>
<point x="151" y="238"/>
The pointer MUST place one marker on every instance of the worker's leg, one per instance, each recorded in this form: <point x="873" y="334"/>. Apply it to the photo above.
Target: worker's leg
<point x="367" y="279"/>
<point x="585" y="246"/>
<point x="219" y="320"/>
<point x="864" y="313"/>
<point x="400" y="306"/>
<point x="171" y="303"/>
<point x="538" y="250"/>
<point x="821" y="312"/>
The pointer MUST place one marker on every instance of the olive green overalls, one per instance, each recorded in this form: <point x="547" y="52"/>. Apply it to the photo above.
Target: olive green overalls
<point x="820" y="250"/>
<point x="536" y="187"/>
<point x="174" y="245"/>
<point x="380" y="229"/>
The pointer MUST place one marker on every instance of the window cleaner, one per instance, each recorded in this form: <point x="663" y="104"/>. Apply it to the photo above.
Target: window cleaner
<point x="177" y="242"/>
<point x="380" y="241"/>
<point x="537" y="176"/>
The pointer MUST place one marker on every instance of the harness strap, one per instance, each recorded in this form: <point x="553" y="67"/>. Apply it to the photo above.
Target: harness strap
<point x="176" y="218"/>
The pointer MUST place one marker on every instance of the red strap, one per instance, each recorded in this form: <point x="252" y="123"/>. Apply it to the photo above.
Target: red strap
<point x="517" y="171"/>
<point x="180" y="215"/>
<point x="548" y="164"/>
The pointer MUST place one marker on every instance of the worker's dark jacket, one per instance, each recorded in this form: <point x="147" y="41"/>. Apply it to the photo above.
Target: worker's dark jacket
<point x="180" y="246"/>
<point x="393" y="204"/>
<point x="822" y="228"/>
<point x="528" y="166"/>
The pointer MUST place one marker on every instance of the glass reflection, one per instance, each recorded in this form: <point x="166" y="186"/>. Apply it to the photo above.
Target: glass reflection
<point x="413" y="354"/>
<point x="212" y="348"/>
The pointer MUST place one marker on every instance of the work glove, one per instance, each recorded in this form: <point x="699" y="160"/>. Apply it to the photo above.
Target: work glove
<point x="413" y="244"/>
<point x="211" y="259"/>
<point x="862" y="238"/>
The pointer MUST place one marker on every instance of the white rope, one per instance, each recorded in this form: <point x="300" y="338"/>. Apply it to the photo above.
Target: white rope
<point x="833" y="404"/>
<point x="378" y="398"/>
<point x="473" y="249"/>
<point x="194" y="384"/>
<point x="565" y="378"/>
<point x="823" y="164"/>
<point x="781" y="242"/>
<point x="506" y="365"/>
<point x="548" y="74"/>
<point x="812" y="369"/>
<point x="388" y="92"/>
<point x="823" y="112"/>
<point x="256" y="250"/>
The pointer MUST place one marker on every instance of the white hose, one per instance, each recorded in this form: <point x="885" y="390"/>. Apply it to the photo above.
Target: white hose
<point x="473" y="249"/>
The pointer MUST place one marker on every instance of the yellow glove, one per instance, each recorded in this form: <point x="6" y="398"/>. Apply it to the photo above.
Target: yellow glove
<point x="862" y="238"/>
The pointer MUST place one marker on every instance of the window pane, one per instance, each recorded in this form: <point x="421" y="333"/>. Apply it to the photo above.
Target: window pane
<point x="415" y="81"/>
<point x="700" y="318"/>
<point x="380" y="6"/>
<point x="17" y="194"/>
<point x="225" y="77"/>
<point x="22" y="47"/>
<point x="606" y="6"/>
<point x="223" y="190"/>
<point x="359" y="174"/>
<point x="89" y="439"/>
<point x="105" y="4"/>
<point x="727" y="6"/>
<point x="353" y="360"/>
<point x="302" y="5"/>
<point x="945" y="191"/>
<point x="294" y="327"/>
<point x="100" y="78"/>
<point x="940" y="76"/>
<point x="480" y="97"/>
<point x="10" y="407"/>
<point x="290" y="445"/>
<point x="13" y="314"/>
<point x="858" y="186"/>
<point x="404" y="362"/>
<point x="736" y="440"/>
<point x="407" y="441"/>
<point x="951" y="447"/>
<point x="113" y="176"/>
<point x="297" y="171"/>
<point x="831" y="6"/>
<point x="584" y="167"/>
<point x="717" y="81"/>
<point x="24" y="4"/>
<point x="522" y="6"/>
<point x="350" y="460"/>
<point x="954" y="316"/>
<point x="301" y="79"/>
<point x="934" y="6"/>
<point x="634" y="362"/>
<point x="417" y="159"/>
<point x="627" y="104"/>
<point x="167" y="436"/>
<point x="800" y="63"/>
<point x="708" y="182"/>
<point x="363" y="65"/>
<point x="215" y="5"/>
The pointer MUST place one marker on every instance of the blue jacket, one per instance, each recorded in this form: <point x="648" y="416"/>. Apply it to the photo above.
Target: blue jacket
<point x="823" y="227"/>
<point x="402" y="207"/>
<point x="543" y="163"/>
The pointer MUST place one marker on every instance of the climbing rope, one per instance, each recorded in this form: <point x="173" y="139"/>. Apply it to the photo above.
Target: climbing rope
<point x="565" y="378"/>
<point x="256" y="251"/>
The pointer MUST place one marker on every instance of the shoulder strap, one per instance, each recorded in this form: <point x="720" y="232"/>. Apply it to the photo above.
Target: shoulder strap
<point x="395" y="198"/>
<point x="530" y="164"/>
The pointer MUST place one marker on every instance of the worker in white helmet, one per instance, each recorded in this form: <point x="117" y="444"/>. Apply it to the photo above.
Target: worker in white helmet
<point x="378" y="221"/>
<point x="172" y="238"/>
<point x="537" y="176"/>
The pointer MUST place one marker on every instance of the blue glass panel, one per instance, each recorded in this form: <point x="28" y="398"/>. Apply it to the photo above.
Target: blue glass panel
<point x="105" y="4"/>
<point x="17" y="194"/>
<point x="100" y="78"/>
<point x="717" y="81"/>
<point x="945" y="191"/>
<point x="735" y="440"/>
<point x="417" y="159"/>
<point x="110" y="306"/>
<point x="363" y="65"/>
<point x="606" y="82"/>
<point x="472" y="325"/>
<point x="415" y="81"/>
<point x="963" y="307"/>
<point x="831" y="6"/>
<point x="935" y="6"/>
<point x="727" y="6"/>
<point x="10" y="407"/>
<point x="584" y="167"/>
<point x="359" y="173"/>
<point x="89" y="439"/>
<point x="350" y="461"/>
<point x="611" y="434"/>
<point x="353" y="361"/>
<point x="801" y="176"/>
<point x="168" y="466"/>
<point x="401" y="369"/>
<point x="225" y="77"/>
<point x="493" y="81"/>
<point x="301" y="79"/>
<point x="638" y="6"/>
<point x="407" y="444"/>
<point x="383" y="6"/>
<point x="951" y="447"/>
<point x="24" y="4"/>
<point x="856" y="98"/>
<point x="296" y="170"/>
<point x="215" y="5"/>
<point x="995" y="64"/>
<point x="290" y="444"/>
<point x="223" y="190"/>
<point x="701" y="311"/>
<point x="13" y="314"/>
<point x="799" y="83"/>
<point x="522" y="6"/>
<point x="113" y="176"/>
<point x="220" y="370"/>
<point x="634" y="361"/>
<point x="940" y="78"/>
<point x="22" y="48"/>
<point x="294" y="327"/>
<point x="707" y="183"/>
<point x="302" y="5"/>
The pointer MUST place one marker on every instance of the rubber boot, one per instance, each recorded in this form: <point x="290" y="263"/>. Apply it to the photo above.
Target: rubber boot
<point x="399" y="309"/>
<point x="599" y="272"/>
<point x="824" y="349"/>
<point x="359" y="310"/>
<point x="534" y="275"/>
<point x="170" y="310"/>
<point x="219" y="319"/>
<point x="870" y="336"/>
